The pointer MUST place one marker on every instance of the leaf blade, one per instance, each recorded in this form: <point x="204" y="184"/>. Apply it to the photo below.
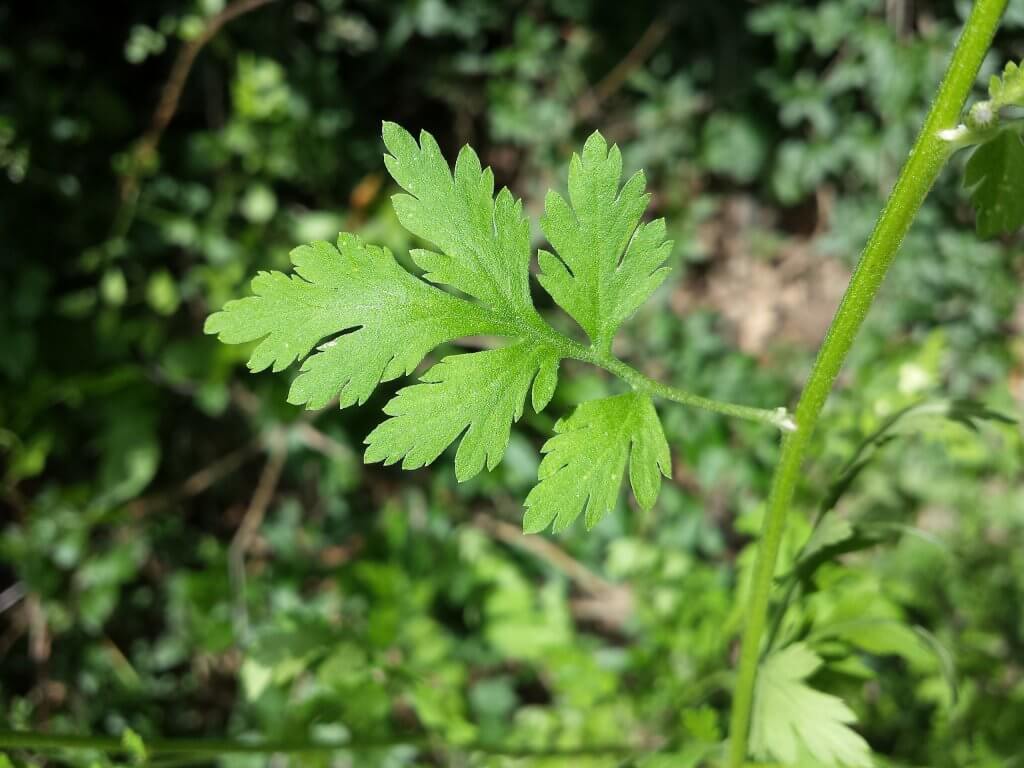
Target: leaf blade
<point x="484" y="241"/>
<point x="605" y="263"/>
<point x="476" y="395"/>
<point x="389" y="318"/>
<point x="1008" y="89"/>
<point x="994" y="177"/>
<point x="586" y="460"/>
<point x="791" y="719"/>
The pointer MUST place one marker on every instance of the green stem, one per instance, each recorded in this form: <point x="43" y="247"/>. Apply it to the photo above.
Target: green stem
<point x="778" y="418"/>
<point x="31" y="740"/>
<point x="537" y="327"/>
<point x="926" y="160"/>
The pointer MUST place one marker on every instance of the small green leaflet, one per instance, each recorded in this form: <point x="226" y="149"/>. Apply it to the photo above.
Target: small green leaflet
<point x="586" y="459"/>
<point x="399" y="320"/>
<point x="355" y="318"/>
<point x="608" y="264"/>
<point x="792" y="721"/>
<point x="995" y="179"/>
<point x="1007" y="90"/>
<point x="485" y="243"/>
<point x="479" y="393"/>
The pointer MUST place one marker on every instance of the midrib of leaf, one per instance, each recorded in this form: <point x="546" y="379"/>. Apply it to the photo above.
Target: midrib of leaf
<point x="611" y="448"/>
<point x="506" y="303"/>
<point x="508" y="307"/>
<point x="505" y="376"/>
<point x="327" y="304"/>
<point x="603" y="340"/>
<point x="532" y="326"/>
<point x="522" y="318"/>
<point x="602" y="343"/>
<point x="607" y="336"/>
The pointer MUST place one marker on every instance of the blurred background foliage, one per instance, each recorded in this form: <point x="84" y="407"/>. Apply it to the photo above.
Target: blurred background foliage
<point x="184" y="554"/>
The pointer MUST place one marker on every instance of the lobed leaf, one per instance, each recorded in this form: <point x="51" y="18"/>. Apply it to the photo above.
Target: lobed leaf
<point x="792" y="721"/>
<point x="484" y="242"/>
<point x="477" y="395"/>
<point x="586" y="460"/>
<point x="372" y="321"/>
<point x="393" y="319"/>
<point x="1008" y="90"/>
<point x="995" y="179"/>
<point x="607" y="264"/>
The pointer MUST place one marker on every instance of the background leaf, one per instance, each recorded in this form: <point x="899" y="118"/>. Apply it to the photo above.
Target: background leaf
<point x="791" y="719"/>
<point x="995" y="178"/>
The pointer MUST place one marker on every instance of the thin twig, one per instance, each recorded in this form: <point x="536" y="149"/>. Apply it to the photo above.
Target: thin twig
<point x="11" y="596"/>
<point x="199" y="481"/>
<point x="167" y="108"/>
<point x="603" y="602"/>
<point x="206" y="477"/>
<point x="588" y="104"/>
<point x="321" y="442"/>
<point x="545" y="550"/>
<point x="246" y="533"/>
<point x="39" y="639"/>
<point x="171" y="93"/>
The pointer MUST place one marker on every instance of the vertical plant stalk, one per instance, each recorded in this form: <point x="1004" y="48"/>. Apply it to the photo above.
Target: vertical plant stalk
<point x="928" y="156"/>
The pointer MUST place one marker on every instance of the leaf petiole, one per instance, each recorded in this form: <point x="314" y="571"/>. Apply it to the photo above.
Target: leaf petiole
<point x="964" y="136"/>
<point x="780" y="418"/>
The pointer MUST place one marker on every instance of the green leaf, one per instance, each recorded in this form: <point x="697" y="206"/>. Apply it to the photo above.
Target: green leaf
<point x="995" y="179"/>
<point x="134" y="746"/>
<point x="479" y="394"/>
<point x="484" y="242"/>
<point x="792" y="720"/>
<point x="607" y="263"/>
<point x="397" y="319"/>
<point x="371" y="321"/>
<point x="586" y="460"/>
<point x="1008" y="90"/>
<point x="882" y="637"/>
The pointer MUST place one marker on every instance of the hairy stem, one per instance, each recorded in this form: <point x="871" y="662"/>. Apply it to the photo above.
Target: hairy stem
<point x="926" y="160"/>
<point x="779" y="417"/>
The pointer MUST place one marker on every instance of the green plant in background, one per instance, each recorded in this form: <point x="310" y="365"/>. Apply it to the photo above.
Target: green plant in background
<point x="178" y="611"/>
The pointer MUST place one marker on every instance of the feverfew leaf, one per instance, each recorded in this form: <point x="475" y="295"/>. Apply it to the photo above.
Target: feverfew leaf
<point x="479" y="394"/>
<point x="398" y="320"/>
<point x="606" y="265"/>
<point x="484" y="242"/>
<point x="791" y="719"/>
<point x="995" y="179"/>
<point x="1008" y="90"/>
<point x="587" y="458"/>
<point x="372" y="321"/>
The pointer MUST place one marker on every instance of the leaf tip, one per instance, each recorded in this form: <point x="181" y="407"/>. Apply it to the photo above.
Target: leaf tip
<point x="213" y="324"/>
